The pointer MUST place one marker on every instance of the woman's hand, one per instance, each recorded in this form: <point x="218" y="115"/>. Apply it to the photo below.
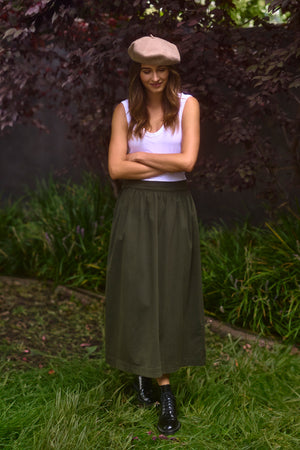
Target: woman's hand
<point x="135" y="157"/>
<point x="140" y="165"/>
<point x="186" y="159"/>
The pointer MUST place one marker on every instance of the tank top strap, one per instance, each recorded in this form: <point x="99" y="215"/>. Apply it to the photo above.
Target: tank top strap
<point x="183" y="99"/>
<point x="125" y="103"/>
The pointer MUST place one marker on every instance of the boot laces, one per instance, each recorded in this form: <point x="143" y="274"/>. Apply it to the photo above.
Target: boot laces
<point x="168" y="404"/>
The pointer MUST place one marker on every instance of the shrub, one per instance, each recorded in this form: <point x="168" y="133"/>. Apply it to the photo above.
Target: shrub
<point x="60" y="233"/>
<point x="251" y="275"/>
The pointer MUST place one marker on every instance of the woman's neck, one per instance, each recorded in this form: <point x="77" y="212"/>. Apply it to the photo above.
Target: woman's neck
<point x="154" y="100"/>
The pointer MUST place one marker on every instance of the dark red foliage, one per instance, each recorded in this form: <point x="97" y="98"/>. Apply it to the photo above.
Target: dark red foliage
<point x="72" y="56"/>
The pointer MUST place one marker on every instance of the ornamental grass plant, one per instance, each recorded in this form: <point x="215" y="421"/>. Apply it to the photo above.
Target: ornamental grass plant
<point x="59" y="232"/>
<point x="252" y="275"/>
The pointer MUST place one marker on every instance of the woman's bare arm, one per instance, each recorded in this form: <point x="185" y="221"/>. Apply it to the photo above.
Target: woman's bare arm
<point x="119" y="166"/>
<point x="177" y="162"/>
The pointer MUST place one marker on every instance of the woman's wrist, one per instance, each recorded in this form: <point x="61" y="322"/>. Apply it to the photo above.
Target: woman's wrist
<point x="139" y="157"/>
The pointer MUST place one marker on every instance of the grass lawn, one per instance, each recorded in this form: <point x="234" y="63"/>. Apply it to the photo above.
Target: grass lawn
<point x="56" y="391"/>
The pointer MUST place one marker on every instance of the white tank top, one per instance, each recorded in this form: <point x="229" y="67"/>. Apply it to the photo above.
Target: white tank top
<point x="161" y="141"/>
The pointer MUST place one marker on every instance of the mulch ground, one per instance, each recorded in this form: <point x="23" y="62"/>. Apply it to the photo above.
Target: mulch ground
<point x="38" y="321"/>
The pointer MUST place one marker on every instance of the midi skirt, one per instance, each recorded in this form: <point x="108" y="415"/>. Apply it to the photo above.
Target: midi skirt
<point x="154" y="309"/>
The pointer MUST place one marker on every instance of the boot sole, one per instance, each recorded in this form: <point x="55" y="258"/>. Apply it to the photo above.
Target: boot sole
<point x="140" y="400"/>
<point x="167" y="433"/>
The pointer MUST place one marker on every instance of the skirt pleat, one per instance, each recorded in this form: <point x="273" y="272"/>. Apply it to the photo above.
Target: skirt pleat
<point x="154" y="307"/>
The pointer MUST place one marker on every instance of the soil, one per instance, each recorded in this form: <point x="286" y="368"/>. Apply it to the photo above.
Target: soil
<point x="39" y="321"/>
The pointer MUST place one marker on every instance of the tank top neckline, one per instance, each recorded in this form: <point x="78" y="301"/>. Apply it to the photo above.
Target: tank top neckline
<point x="155" y="132"/>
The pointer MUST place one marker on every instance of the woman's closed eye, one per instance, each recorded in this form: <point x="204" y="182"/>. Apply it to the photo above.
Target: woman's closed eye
<point x="159" y="69"/>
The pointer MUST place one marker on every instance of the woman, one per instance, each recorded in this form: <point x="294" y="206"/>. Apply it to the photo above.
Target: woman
<point x="154" y="312"/>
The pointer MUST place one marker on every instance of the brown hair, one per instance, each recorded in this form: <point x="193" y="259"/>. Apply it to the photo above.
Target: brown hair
<point x="138" y="106"/>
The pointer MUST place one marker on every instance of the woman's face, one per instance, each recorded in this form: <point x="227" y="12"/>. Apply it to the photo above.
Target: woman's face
<point x="154" y="78"/>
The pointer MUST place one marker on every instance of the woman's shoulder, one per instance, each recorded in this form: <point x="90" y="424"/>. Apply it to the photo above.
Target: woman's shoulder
<point x="125" y="105"/>
<point x="183" y="101"/>
<point x="183" y="96"/>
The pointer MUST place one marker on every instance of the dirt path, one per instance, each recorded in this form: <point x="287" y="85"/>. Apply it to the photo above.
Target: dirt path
<point x="38" y="322"/>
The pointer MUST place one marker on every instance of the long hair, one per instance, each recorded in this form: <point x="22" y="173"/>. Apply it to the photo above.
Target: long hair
<point x="138" y="101"/>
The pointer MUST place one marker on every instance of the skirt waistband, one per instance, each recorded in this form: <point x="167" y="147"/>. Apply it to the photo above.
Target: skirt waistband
<point x="155" y="185"/>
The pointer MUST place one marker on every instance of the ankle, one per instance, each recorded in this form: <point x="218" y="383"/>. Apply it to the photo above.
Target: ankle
<point x="165" y="388"/>
<point x="163" y="380"/>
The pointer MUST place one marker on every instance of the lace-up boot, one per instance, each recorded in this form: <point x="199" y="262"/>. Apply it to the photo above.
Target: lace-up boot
<point x="168" y="423"/>
<point x="146" y="393"/>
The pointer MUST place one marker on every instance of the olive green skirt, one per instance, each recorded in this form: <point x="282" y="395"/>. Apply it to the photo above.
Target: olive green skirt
<point x="154" y="308"/>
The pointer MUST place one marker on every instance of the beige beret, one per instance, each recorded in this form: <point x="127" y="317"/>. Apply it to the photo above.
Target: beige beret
<point x="153" y="50"/>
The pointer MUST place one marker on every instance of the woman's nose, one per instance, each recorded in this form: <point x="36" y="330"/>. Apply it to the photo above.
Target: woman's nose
<point x="155" y="76"/>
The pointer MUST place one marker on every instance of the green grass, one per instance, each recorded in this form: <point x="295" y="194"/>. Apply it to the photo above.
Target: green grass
<point x="240" y="400"/>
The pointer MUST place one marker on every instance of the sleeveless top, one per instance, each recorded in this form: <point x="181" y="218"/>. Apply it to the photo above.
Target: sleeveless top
<point x="161" y="141"/>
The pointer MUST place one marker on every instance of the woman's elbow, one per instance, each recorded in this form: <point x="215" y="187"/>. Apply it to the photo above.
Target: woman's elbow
<point x="113" y="173"/>
<point x="189" y="165"/>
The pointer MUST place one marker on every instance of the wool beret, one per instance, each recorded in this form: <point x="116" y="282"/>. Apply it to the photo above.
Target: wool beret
<point x="154" y="51"/>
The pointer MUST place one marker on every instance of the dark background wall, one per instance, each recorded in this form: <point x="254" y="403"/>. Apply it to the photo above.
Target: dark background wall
<point x="28" y="154"/>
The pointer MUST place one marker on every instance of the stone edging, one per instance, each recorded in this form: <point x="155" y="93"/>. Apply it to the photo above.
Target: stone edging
<point x="224" y="329"/>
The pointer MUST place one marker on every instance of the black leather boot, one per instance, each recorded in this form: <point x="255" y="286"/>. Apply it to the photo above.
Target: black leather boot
<point x="167" y="423"/>
<point x="146" y="393"/>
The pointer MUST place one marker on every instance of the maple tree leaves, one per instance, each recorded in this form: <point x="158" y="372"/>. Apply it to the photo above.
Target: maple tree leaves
<point x="72" y="56"/>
